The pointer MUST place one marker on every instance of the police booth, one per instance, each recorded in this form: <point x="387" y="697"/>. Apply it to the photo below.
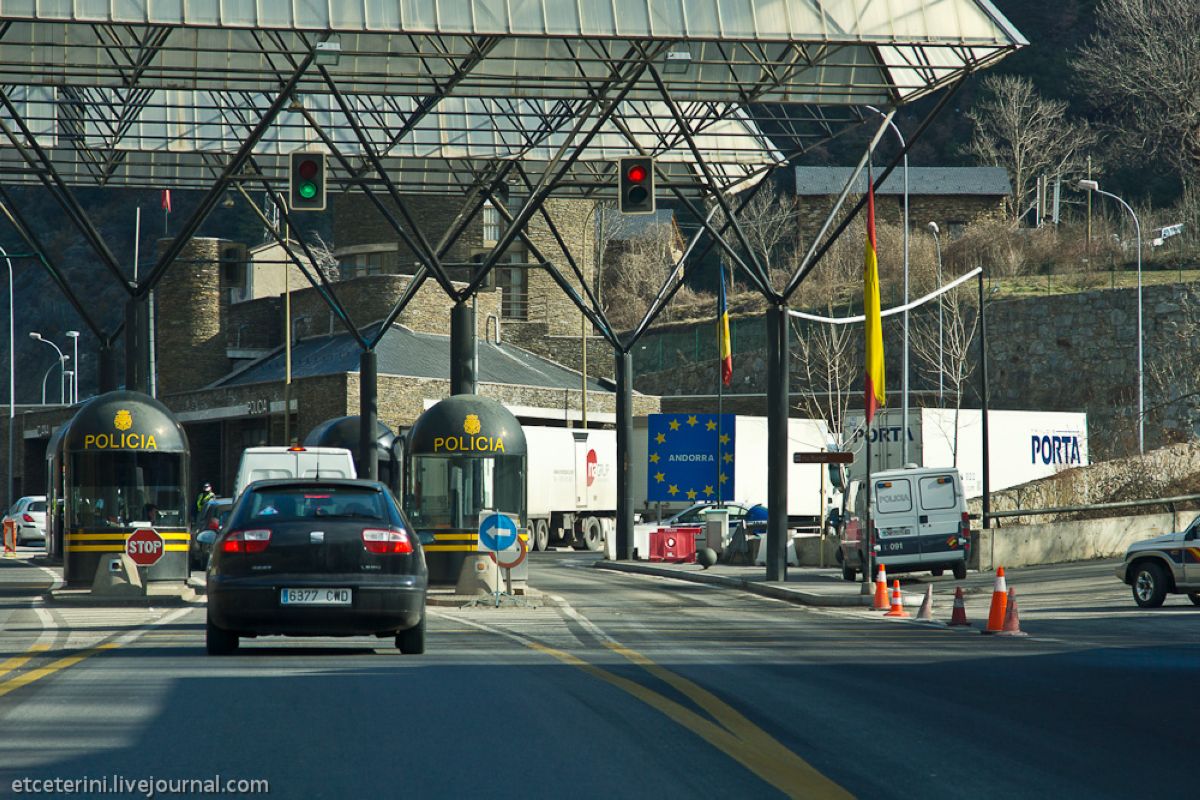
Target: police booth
<point x="464" y="455"/>
<point x="120" y="464"/>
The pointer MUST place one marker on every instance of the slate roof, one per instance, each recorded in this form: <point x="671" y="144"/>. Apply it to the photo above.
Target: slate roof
<point x="927" y="181"/>
<point x="406" y="353"/>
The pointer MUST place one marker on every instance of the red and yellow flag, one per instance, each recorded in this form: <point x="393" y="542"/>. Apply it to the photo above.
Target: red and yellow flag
<point x="723" y="344"/>
<point x="875" y="386"/>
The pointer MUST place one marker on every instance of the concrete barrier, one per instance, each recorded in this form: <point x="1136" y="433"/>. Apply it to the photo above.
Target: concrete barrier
<point x="1075" y="540"/>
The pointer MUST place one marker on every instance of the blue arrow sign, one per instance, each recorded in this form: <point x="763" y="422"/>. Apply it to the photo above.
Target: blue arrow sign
<point x="497" y="532"/>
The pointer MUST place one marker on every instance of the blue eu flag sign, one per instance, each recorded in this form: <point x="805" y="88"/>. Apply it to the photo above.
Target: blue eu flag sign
<point x="690" y="458"/>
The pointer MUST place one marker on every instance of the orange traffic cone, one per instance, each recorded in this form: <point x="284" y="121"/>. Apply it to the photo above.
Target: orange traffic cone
<point x="1012" y="620"/>
<point x="995" y="622"/>
<point x="897" y="609"/>
<point x="959" y="617"/>
<point x="881" y="595"/>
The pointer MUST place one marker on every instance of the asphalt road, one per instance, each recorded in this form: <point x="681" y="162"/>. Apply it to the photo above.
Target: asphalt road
<point x="637" y="687"/>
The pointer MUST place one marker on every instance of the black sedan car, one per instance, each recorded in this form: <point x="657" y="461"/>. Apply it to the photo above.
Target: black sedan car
<point x="316" y="558"/>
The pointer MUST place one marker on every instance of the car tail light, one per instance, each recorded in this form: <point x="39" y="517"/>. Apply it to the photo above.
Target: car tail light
<point x="964" y="529"/>
<point x="213" y="525"/>
<point x="253" y="541"/>
<point x="386" y="541"/>
<point x="27" y="518"/>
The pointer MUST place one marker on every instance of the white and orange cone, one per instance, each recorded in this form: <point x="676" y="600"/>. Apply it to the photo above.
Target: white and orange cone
<point x="925" y="615"/>
<point x="1012" y="619"/>
<point x="995" y="622"/>
<point x="881" y="593"/>
<point x="959" y="617"/>
<point x="897" y="609"/>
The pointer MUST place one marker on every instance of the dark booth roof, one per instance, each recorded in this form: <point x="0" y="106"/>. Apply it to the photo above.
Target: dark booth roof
<point x="467" y="424"/>
<point x="118" y="416"/>
<point x="344" y="431"/>
<point x="407" y="353"/>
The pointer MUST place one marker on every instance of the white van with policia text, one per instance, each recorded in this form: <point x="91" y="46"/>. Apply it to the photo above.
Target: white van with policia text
<point x="918" y="522"/>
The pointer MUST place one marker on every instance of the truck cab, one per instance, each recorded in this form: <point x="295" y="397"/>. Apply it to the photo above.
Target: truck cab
<point x="918" y="521"/>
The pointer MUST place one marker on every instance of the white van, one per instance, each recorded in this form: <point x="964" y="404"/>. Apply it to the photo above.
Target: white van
<point x="919" y="521"/>
<point x="264" y="463"/>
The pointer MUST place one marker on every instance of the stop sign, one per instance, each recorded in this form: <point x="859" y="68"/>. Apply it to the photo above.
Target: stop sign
<point x="145" y="547"/>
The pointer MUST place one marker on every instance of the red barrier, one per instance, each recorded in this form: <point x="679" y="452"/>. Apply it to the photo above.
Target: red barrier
<point x="677" y="545"/>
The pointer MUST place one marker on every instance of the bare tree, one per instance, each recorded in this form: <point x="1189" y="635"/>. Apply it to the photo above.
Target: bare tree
<point x="327" y="262"/>
<point x="942" y="345"/>
<point x="1017" y="129"/>
<point x="635" y="268"/>
<point x="1141" y="71"/>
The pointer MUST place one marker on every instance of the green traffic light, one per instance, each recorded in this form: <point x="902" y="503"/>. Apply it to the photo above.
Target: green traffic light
<point x="308" y="190"/>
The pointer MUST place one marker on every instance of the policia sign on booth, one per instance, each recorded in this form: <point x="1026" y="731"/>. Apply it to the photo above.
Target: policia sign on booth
<point x="120" y="467"/>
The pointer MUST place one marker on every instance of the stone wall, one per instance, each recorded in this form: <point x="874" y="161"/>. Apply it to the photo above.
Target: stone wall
<point x="951" y="212"/>
<point x="192" y="305"/>
<point x="259" y="323"/>
<point x="565" y="350"/>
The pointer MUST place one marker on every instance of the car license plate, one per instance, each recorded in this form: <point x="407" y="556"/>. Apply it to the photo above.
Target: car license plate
<point x="314" y="597"/>
<point x="889" y="532"/>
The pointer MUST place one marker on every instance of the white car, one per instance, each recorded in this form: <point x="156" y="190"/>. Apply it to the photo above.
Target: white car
<point x="1168" y="564"/>
<point x="30" y="516"/>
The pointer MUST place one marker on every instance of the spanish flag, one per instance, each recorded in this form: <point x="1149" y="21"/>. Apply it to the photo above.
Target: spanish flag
<point x="875" y="386"/>
<point x="723" y="344"/>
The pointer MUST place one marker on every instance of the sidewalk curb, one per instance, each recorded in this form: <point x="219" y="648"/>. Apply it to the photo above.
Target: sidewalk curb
<point x="796" y="596"/>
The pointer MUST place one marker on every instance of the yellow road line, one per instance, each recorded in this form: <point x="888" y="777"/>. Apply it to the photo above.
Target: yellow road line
<point x="12" y="684"/>
<point x="752" y="747"/>
<point x="18" y="661"/>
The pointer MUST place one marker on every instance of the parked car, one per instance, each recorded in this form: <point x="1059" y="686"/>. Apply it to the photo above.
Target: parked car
<point x="205" y="528"/>
<point x="30" y="515"/>
<point x="1168" y="564"/>
<point x="316" y="558"/>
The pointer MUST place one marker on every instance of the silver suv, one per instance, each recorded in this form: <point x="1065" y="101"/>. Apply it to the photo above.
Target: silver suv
<point x="1167" y="564"/>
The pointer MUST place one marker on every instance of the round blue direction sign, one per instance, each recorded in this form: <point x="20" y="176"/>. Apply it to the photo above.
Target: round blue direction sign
<point x="497" y="532"/>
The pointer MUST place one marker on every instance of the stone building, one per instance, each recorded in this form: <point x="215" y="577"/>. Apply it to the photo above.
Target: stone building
<point x="950" y="196"/>
<point x="534" y="312"/>
<point x="221" y="359"/>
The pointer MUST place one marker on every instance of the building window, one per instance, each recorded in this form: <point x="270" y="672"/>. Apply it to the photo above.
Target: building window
<point x="491" y="224"/>
<point x="514" y="292"/>
<point x="361" y="264"/>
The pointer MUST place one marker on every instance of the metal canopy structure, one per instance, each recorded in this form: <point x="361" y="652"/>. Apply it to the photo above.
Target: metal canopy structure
<point x="477" y="98"/>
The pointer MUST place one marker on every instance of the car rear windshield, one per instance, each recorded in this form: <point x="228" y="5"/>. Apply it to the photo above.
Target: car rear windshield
<point x="38" y="505"/>
<point x="283" y="504"/>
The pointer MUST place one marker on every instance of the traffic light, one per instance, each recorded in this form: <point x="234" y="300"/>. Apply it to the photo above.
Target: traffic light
<point x="306" y="182"/>
<point x="637" y="185"/>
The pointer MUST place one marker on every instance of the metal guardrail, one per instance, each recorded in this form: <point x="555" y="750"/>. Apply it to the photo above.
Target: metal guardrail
<point x="1162" y="501"/>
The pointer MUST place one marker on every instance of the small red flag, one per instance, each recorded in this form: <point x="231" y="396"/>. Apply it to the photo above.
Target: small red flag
<point x="166" y="200"/>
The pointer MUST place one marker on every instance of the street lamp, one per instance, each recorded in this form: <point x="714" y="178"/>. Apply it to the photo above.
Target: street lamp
<point x="904" y="368"/>
<point x="937" y="242"/>
<point x="12" y="379"/>
<point x="1093" y="186"/>
<point x="75" y="360"/>
<point x="62" y="362"/>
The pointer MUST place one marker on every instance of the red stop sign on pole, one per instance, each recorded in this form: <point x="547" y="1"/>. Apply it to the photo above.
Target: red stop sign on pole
<point x="145" y="547"/>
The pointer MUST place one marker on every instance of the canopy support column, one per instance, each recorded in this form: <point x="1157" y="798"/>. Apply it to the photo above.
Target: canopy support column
<point x="777" y="442"/>
<point x="624" y="371"/>
<point x="368" y="416"/>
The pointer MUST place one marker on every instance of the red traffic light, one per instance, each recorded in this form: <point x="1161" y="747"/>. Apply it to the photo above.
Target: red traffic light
<point x="307" y="169"/>
<point x="636" y="173"/>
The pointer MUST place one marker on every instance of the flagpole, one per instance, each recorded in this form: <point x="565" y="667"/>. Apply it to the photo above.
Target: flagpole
<point x="720" y="376"/>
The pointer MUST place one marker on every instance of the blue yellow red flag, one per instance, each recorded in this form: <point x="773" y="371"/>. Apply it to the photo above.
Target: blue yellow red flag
<point x="723" y="343"/>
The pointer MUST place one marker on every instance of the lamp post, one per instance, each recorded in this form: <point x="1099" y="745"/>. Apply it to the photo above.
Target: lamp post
<point x="74" y="336"/>
<point x="937" y="242"/>
<point x="12" y="379"/>
<point x="62" y="362"/>
<point x="904" y="367"/>
<point x="1093" y="186"/>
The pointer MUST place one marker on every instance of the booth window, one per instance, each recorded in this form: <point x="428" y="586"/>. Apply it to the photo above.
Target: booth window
<point x="451" y="491"/>
<point x="116" y="488"/>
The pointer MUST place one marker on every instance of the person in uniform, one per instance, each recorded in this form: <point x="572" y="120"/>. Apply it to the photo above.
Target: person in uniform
<point x="206" y="494"/>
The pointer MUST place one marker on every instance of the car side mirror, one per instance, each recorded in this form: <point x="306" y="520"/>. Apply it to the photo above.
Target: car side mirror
<point x="426" y="537"/>
<point x="206" y="537"/>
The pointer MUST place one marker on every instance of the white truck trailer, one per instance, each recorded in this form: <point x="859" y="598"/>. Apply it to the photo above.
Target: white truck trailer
<point x="810" y="493"/>
<point x="572" y="486"/>
<point x="1024" y="445"/>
